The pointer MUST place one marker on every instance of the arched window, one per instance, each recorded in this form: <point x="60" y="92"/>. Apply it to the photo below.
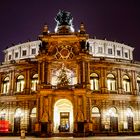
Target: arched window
<point x="129" y="124"/>
<point x="94" y="81"/>
<point x="95" y="112"/>
<point x="126" y="83"/>
<point x="20" y="83"/>
<point x="33" y="112"/>
<point x="34" y="82"/>
<point x="6" y="85"/>
<point x="111" y="82"/>
<point x="138" y="84"/>
<point x="17" y="120"/>
<point x="18" y="112"/>
<point x="129" y="112"/>
<point x="112" y="112"/>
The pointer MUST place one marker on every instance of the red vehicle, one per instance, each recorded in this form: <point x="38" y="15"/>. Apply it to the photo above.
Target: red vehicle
<point x="4" y="126"/>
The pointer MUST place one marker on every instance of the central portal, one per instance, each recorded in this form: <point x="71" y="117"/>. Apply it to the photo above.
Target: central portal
<point x="63" y="116"/>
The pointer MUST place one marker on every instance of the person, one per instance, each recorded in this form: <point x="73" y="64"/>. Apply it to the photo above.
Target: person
<point x="59" y="128"/>
<point x="67" y="127"/>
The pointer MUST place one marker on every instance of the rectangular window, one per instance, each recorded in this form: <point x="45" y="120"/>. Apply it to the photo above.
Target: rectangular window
<point x="24" y="53"/>
<point x="9" y="57"/>
<point x="100" y="50"/>
<point x="126" y="55"/>
<point x="109" y="51"/>
<point x="33" y="51"/>
<point x="16" y="54"/>
<point x="118" y="53"/>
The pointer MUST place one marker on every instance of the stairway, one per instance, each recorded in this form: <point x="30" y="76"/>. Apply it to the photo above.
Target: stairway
<point x="62" y="134"/>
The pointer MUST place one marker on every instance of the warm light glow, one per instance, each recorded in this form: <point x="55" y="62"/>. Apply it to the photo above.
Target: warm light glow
<point x="129" y="112"/>
<point x="19" y="113"/>
<point x="112" y="112"/>
<point x="62" y="105"/>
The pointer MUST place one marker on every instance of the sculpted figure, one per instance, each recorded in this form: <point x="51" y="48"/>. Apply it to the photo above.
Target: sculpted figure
<point x="64" y="18"/>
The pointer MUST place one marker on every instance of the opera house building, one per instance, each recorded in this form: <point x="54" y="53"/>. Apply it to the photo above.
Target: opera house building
<point x="66" y="83"/>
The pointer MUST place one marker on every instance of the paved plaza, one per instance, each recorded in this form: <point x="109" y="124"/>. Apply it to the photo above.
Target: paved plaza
<point x="71" y="138"/>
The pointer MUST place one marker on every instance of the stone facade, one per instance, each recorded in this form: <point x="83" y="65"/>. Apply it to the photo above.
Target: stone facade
<point x="66" y="88"/>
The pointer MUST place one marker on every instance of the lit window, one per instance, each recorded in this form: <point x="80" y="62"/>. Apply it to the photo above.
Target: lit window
<point x="33" y="51"/>
<point x="95" y="112"/>
<point x="112" y="112"/>
<point x="18" y="113"/>
<point x="16" y="54"/>
<point x="6" y="84"/>
<point x="24" y="53"/>
<point x="111" y="82"/>
<point x="3" y="114"/>
<point x="34" y="82"/>
<point x="94" y="81"/>
<point x="118" y="53"/>
<point x="109" y="51"/>
<point x="138" y="84"/>
<point x="33" y="112"/>
<point x="20" y="83"/>
<point x="129" y="112"/>
<point x="126" y="83"/>
<point x="100" y="49"/>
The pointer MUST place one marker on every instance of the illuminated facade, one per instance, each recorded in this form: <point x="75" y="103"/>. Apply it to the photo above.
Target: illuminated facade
<point x="68" y="83"/>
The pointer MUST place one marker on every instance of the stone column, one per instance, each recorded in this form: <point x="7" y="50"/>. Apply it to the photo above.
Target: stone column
<point x="12" y="82"/>
<point x="119" y="81"/>
<point x="39" y="72"/>
<point x="43" y="72"/>
<point x="103" y="80"/>
<point x="134" y="82"/>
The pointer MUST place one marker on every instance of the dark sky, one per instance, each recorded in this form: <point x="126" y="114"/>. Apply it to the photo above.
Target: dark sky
<point x="22" y="20"/>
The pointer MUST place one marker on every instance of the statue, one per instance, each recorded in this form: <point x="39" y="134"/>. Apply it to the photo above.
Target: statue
<point x="64" y="22"/>
<point x="64" y="18"/>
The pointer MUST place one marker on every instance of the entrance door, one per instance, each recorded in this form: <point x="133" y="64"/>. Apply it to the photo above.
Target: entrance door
<point x="130" y="123"/>
<point x="114" y="124"/>
<point x="63" y="116"/>
<point x="64" y="122"/>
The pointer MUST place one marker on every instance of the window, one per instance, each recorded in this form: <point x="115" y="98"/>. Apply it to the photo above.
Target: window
<point x="20" y="83"/>
<point x="138" y="84"/>
<point x="109" y="51"/>
<point x="126" y="55"/>
<point x="94" y="81"/>
<point x="16" y="54"/>
<point x="129" y="112"/>
<point x="18" y="112"/>
<point x="33" y="51"/>
<point x="118" y="53"/>
<point x="6" y="84"/>
<point x="111" y="82"/>
<point x="126" y="83"/>
<point x="95" y="112"/>
<point x="33" y="112"/>
<point x="10" y="57"/>
<point x="100" y="49"/>
<point x="112" y="112"/>
<point x="24" y="53"/>
<point x="34" y="82"/>
<point x="3" y="114"/>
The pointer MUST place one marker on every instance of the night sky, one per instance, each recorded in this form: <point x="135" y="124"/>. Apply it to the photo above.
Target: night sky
<point x="22" y="20"/>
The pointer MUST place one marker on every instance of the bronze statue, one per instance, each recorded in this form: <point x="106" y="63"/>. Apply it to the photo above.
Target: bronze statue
<point x="64" y="18"/>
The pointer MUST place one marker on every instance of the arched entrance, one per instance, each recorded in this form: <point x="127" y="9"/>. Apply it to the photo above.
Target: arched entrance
<point x="63" y="116"/>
